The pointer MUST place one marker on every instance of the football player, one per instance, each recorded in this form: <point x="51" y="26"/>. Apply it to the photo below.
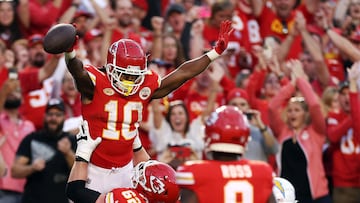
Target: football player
<point x="114" y="98"/>
<point x="224" y="177"/>
<point x="152" y="181"/>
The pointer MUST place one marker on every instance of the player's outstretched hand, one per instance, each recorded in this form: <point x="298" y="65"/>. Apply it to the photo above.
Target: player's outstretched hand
<point x="85" y="144"/>
<point x="223" y="39"/>
<point x="75" y="42"/>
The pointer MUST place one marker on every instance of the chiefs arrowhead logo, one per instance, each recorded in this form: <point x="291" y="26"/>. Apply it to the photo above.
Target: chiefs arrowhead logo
<point x="157" y="186"/>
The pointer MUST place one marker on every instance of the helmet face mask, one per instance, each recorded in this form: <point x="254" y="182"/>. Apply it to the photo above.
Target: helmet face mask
<point x="125" y="60"/>
<point x="156" y="181"/>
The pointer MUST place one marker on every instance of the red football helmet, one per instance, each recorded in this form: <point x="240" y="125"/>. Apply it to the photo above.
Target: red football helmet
<point x="125" y="60"/>
<point x="156" y="181"/>
<point x="227" y="130"/>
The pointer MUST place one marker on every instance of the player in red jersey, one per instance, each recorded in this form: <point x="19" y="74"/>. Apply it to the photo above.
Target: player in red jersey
<point x="114" y="98"/>
<point x="225" y="177"/>
<point x="152" y="181"/>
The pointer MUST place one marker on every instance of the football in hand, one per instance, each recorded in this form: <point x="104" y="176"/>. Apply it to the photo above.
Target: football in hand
<point x="59" y="38"/>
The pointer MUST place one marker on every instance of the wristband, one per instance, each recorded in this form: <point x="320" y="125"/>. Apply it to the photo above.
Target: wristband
<point x="262" y="130"/>
<point x="80" y="159"/>
<point x="75" y="5"/>
<point x="70" y="55"/>
<point x="212" y="54"/>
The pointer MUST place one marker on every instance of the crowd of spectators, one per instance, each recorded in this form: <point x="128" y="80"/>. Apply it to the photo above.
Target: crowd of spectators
<point x="291" y="66"/>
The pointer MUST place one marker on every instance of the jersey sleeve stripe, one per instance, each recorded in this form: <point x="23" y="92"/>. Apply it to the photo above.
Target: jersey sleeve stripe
<point x="185" y="178"/>
<point x="92" y="77"/>
<point x="109" y="198"/>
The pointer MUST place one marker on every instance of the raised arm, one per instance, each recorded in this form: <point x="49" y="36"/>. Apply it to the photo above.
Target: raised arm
<point x="257" y="6"/>
<point x="69" y="14"/>
<point x="194" y="67"/>
<point x="275" y="110"/>
<point x="23" y="13"/>
<point x="314" y="49"/>
<point x="354" y="76"/>
<point x="82" y="79"/>
<point x="343" y="44"/>
<point x="157" y="24"/>
<point x="311" y="98"/>
<point x="49" y="68"/>
<point x="75" y="188"/>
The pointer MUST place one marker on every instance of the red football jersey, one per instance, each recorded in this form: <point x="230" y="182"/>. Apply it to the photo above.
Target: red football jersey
<point x="115" y="118"/>
<point x="196" y="103"/>
<point x="35" y="95"/>
<point x="343" y="133"/>
<point x="4" y="72"/>
<point x="124" y="195"/>
<point x="231" y="181"/>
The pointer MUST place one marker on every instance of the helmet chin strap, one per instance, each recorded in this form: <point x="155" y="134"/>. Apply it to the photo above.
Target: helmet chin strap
<point x="128" y="86"/>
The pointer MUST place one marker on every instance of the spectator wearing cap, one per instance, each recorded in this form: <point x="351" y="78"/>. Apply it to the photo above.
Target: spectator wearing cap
<point x="140" y="11"/>
<point x="35" y="81"/>
<point x="13" y="128"/>
<point x="45" y="158"/>
<point x="262" y="143"/>
<point x="93" y="40"/>
<point x="175" y="19"/>
<point x="177" y="23"/>
<point x="343" y="134"/>
<point x="83" y="21"/>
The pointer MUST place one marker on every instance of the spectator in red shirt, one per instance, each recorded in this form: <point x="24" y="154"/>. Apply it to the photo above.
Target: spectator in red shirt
<point x="311" y="55"/>
<point x="3" y="69"/>
<point x="37" y="16"/>
<point x="36" y="89"/>
<point x="279" y="20"/>
<point x="344" y="137"/>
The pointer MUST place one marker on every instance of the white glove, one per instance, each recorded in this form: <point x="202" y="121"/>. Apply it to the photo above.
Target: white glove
<point x="85" y="144"/>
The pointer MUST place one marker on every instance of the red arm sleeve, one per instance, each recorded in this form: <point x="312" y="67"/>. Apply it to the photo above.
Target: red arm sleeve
<point x="227" y="85"/>
<point x="284" y="81"/>
<point x="275" y="108"/>
<point x="43" y="16"/>
<point x="335" y="132"/>
<point x="256" y="81"/>
<point x="355" y="114"/>
<point x="317" y="117"/>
